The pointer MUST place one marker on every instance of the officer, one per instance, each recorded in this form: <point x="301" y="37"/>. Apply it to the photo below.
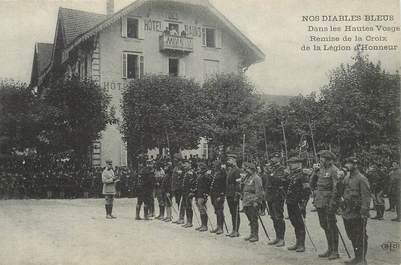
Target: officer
<point x="275" y="197"/>
<point x="356" y="204"/>
<point x="188" y="191"/>
<point x="395" y="189"/>
<point x="326" y="181"/>
<point x="145" y="183"/>
<point x="109" y="188"/>
<point x="217" y="194"/>
<point x="201" y="195"/>
<point x="176" y="189"/>
<point x="376" y="181"/>
<point x="252" y="199"/>
<point x="233" y="193"/>
<point x="298" y="193"/>
<point x="166" y="191"/>
<point x="159" y="177"/>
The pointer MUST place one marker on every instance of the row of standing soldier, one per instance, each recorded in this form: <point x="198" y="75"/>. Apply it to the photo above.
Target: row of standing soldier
<point x="334" y="191"/>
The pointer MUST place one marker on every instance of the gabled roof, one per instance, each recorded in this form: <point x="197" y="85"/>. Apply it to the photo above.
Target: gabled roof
<point x="41" y="60"/>
<point x="44" y="55"/>
<point x="76" y="22"/>
<point x="108" y="20"/>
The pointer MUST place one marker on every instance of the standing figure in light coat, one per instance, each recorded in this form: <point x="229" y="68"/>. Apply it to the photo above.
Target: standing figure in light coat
<point x="109" y="188"/>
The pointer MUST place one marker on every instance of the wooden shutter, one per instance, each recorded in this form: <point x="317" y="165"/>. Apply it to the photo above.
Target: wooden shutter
<point x="141" y="27"/>
<point x="124" y="65"/>
<point x="181" y="68"/>
<point x="218" y="36"/>
<point x="141" y="66"/>
<point x="203" y="36"/>
<point x="124" y="27"/>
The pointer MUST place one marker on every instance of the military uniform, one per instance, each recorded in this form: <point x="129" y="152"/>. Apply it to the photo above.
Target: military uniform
<point x="298" y="193"/>
<point x="326" y="203"/>
<point x="159" y="177"/>
<point x="202" y="191"/>
<point x="251" y="200"/>
<point x="188" y="188"/>
<point x="145" y="183"/>
<point x="166" y="193"/>
<point x="233" y="196"/>
<point x="176" y="190"/>
<point x="275" y="187"/>
<point x="376" y="180"/>
<point x="109" y="189"/>
<point x="356" y="196"/>
<point x="217" y="194"/>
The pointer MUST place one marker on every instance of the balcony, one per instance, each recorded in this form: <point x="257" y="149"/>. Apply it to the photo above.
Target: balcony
<point x="176" y="43"/>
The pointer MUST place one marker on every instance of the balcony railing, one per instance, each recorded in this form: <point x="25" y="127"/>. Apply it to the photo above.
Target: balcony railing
<point x="176" y="43"/>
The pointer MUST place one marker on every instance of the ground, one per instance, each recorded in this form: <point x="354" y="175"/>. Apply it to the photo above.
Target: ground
<point x="75" y="232"/>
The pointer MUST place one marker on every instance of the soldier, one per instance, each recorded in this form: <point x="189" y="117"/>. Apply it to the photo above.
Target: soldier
<point x="176" y="189"/>
<point x="202" y="192"/>
<point x="188" y="189"/>
<point x="159" y="177"/>
<point x="376" y="180"/>
<point x="298" y="193"/>
<point x="275" y="196"/>
<point x="109" y="188"/>
<point x="325" y="200"/>
<point x="395" y="189"/>
<point x="217" y="193"/>
<point x="251" y="199"/>
<point x="233" y="193"/>
<point x="356" y="195"/>
<point x="145" y="183"/>
<point x="166" y="191"/>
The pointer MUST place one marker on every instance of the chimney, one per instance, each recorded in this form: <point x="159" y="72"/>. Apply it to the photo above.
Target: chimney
<point x="109" y="7"/>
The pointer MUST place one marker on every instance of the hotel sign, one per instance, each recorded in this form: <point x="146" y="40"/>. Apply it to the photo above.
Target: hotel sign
<point x="157" y="25"/>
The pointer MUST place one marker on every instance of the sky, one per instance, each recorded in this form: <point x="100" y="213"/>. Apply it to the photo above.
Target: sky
<point x="275" y="26"/>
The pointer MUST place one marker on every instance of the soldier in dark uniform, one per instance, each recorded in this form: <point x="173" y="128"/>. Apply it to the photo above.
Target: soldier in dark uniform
<point x="188" y="189"/>
<point x="298" y="193"/>
<point x="176" y="189"/>
<point x="275" y="196"/>
<point x="166" y="191"/>
<point x="356" y="203"/>
<point x="233" y="193"/>
<point x="201" y="194"/>
<point x="376" y="181"/>
<point x="252" y="199"/>
<point x="217" y="193"/>
<point x="326" y="200"/>
<point x="395" y="189"/>
<point x="144" y="189"/>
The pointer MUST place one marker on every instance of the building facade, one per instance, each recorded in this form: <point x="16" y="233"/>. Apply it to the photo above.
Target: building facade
<point x="187" y="38"/>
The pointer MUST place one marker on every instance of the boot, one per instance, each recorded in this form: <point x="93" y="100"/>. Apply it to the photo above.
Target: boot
<point x="219" y="230"/>
<point x="275" y="241"/>
<point x="168" y="217"/>
<point x="334" y="247"/>
<point x="107" y="212"/>
<point x="301" y="243"/>
<point x="328" y="252"/>
<point x="280" y="243"/>
<point x="161" y="213"/>
<point x="146" y="213"/>
<point x="137" y="212"/>
<point x="111" y="211"/>
<point x="294" y="247"/>
<point x="203" y="227"/>
<point x="255" y="237"/>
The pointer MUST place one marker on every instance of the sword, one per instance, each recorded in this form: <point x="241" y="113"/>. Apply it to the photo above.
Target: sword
<point x="307" y="230"/>
<point x="342" y="240"/>
<point x="172" y="205"/>
<point x="225" y="225"/>
<point x="263" y="226"/>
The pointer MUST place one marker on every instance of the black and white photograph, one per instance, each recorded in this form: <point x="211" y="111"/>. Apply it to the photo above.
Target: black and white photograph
<point x="192" y="132"/>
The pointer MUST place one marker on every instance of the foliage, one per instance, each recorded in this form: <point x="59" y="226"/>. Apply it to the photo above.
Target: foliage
<point x="157" y="108"/>
<point x="76" y="111"/>
<point x="19" y="116"/>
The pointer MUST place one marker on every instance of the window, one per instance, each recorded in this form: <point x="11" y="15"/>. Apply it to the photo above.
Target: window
<point x="173" y="65"/>
<point x="209" y="37"/>
<point x="173" y="29"/>
<point x="132" y="28"/>
<point x="133" y="65"/>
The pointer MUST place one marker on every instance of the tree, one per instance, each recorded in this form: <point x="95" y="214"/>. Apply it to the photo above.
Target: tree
<point x="231" y="102"/>
<point x="76" y="111"/>
<point x="164" y="112"/>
